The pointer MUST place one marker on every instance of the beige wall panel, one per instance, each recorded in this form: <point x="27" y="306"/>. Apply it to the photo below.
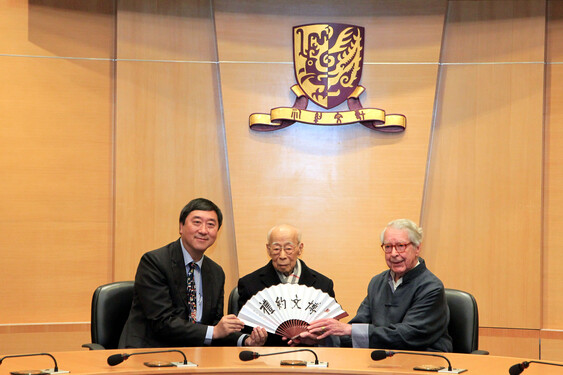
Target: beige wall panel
<point x="554" y="45"/>
<point x="43" y="338"/>
<point x="340" y="184"/>
<point x="551" y="345"/>
<point x="71" y="28"/>
<point x="553" y="193"/>
<point x="482" y="211"/>
<point x="258" y="30"/>
<point x="553" y="201"/>
<point x="522" y="343"/>
<point x="169" y="149"/>
<point x="165" y="30"/>
<point x="494" y="31"/>
<point x="56" y="211"/>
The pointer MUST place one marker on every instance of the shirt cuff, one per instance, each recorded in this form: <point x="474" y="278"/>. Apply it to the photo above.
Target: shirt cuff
<point x="208" y="335"/>
<point x="240" y="341"/>
<point x="360" y="335"/>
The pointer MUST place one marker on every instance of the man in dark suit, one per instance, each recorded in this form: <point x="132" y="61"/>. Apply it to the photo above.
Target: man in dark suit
<point x="284" y="248"/>
<point x="178" y="295"/>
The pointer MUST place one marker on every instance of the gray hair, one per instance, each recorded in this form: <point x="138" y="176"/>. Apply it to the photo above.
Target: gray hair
<point x="415" y="232"/>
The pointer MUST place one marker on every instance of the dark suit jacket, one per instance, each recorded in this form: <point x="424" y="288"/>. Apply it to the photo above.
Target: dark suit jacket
<point x="266" y="276"/>
<point x="159" y="313"/>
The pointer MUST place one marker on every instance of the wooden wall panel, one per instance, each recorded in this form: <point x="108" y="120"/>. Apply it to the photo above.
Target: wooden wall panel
<point x="176" y="30"/>
<point x="554" y="38"/>
<point x="340" y="185"/>
<point x="522" y="343"/>
<point x="56" y="212"/>
<point x="258" y="30"/>
<point x="494" y="31"/>
<point x="55" y="28"/>
<point x="37" y="338"/>
<point x="170" y="145"/>
<point x="482" y="210"/>
<point x="56" y="167"/>
<point x="551" y="345"/>
<point x="553" y="192"/>
<point x="169" y="149"/>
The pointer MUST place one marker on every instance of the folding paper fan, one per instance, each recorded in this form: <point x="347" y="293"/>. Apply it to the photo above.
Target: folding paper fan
<point x="287" y="309"/>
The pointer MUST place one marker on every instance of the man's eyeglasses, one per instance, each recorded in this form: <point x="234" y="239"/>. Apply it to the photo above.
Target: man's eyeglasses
<point x="276" y="249"/>
<point x="400" y="247"/>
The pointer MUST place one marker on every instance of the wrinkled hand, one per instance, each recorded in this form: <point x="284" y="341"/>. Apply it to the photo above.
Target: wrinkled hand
<point x="227" y="325"/>
<point x="304" y="338"/>
<point x="257" y="337"/>
<point x="329" y="327"/>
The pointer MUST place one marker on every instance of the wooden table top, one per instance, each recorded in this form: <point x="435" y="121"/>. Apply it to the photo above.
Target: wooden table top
<point x="225" y="360"/>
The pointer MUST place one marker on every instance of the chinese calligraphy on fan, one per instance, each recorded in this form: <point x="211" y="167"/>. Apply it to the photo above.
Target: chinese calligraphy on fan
<point x="281" y="304"/>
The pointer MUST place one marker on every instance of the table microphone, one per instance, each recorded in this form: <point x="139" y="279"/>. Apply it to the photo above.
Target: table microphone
<point x="378" y="355"/>
<point x="519" y="367"/>
<point x="247" y="355"/>
<point x="116" y="359"/>
<point x="54" y="370"/>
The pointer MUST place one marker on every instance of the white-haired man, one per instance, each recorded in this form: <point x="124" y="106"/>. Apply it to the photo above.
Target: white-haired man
<point x="405" y="307"/>
<point x="284" y="247"/>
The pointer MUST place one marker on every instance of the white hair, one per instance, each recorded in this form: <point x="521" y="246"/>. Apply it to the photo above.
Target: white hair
<point x="286" y="226"/>
<point x="414" y="231"/>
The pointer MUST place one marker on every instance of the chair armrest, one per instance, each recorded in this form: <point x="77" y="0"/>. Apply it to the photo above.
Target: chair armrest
<point x="93" y="346"/>
<point x="481" y="352"/>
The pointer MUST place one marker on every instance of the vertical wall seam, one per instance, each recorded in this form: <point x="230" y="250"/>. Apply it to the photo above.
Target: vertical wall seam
<point x="434" y="114"/>
<point x="113" y="62"/>
<point x="224" y="137"/>
<point x="544" y="177"/>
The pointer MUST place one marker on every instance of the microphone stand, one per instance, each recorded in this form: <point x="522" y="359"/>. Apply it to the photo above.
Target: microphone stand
<point x="380" y="354"/>
<point x="519" y="367"/>
<point x="54" y="370"/>
<point x="116" y="359"/>
<point x="247" y="355"/>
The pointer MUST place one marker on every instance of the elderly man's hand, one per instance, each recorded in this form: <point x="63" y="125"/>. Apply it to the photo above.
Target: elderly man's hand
<point x="329" y="327"/>
<point x="227" y="325"/>
<point x="305" y="338"/>
<point x="257" y="337"/>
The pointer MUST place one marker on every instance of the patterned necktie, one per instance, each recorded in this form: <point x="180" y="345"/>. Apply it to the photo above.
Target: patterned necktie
<point x="192" y="293"/>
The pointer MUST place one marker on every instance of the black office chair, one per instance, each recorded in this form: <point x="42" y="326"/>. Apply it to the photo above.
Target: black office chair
<point x="464" y="322"/>
<point x="111" y="304"/>
<point x="232" y="307"/>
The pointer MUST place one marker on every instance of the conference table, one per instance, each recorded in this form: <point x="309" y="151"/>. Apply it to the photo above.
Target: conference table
<point x="225" y="360"/>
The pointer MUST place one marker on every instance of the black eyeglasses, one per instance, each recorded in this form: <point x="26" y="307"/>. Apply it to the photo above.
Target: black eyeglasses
<point x="400" y="247"/>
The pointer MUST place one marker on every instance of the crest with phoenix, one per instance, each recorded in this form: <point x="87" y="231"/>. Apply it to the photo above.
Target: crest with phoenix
<point x="328" y="61"/>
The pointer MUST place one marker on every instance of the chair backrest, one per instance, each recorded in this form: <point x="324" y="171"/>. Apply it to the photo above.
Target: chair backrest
<point x="232" y="307"/>
<point x="464" y="321"/>
<point x="111" y="304"/>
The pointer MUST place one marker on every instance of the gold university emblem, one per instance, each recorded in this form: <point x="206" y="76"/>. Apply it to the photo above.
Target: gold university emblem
<point x="328" y="60"/>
